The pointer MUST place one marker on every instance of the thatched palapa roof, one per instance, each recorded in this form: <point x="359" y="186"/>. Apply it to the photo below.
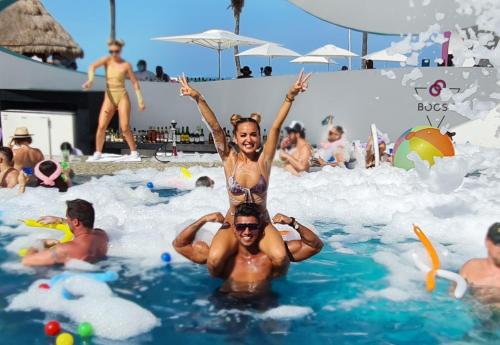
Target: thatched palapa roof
<point x="27" y="28"/>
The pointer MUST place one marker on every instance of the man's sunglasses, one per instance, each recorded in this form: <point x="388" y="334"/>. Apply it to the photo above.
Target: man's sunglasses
<point x="242" y="226"/>
<point x="113" y="52"/>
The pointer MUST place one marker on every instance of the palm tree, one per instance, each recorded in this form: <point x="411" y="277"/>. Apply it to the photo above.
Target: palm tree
<point x="112" y="8"/>
<point x="237" y="6"/>
<point x="364" y="49"/>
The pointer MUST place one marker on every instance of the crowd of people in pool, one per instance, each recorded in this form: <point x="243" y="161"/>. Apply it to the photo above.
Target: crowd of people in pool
<point x="247" y="251"/>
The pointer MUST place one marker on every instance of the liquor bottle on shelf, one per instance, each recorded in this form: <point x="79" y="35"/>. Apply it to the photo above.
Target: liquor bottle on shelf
<point x="191" y="137"/>
<point x="164" y="135"/>
<point x="158" y="135"/>
<point x="264" y="137"/>
<point x="196" y="137"/>
<point x="210" y="139"/>
<point x="183" y="135"/>
<point x="177" y="135"/>
<point x="202" y="137"/>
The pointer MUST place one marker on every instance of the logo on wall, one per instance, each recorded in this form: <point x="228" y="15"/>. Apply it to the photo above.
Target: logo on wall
<point x="434" y="90"/>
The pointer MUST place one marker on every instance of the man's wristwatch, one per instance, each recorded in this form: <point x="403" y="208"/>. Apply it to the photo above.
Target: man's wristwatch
<point x="294" y="224"/>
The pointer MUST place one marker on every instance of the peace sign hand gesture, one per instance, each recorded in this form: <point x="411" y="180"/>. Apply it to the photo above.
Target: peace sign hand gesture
<point x="187" y="90"/>
<point x="300" y="85"/>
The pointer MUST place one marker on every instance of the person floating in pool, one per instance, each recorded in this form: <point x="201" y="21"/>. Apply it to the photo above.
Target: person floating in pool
<point x="249" y="270"/>
<point x="295" y="151"/>
<point x="89" y="244"/>
<point x="483" y="275"/>
<point x="25" y="156"/>
<point x="247" y="166"/>
<point x="116" y="97"/>
<point x="9" y="176"/>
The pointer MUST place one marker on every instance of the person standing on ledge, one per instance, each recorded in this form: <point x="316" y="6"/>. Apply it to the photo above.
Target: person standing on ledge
<point x="116" y="97"/>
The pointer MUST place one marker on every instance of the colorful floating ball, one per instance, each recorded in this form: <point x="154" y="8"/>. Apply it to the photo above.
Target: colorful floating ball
<point x="165" y="257"/>
<point x="22" y="252"/>
<point x="427" y="142"/>
<point x="150" y="185"/>
<point x="65" y="339"/>
<point x="52" y="328"/>
<point x="85" y="330"/>
<point x="44" y="286"/>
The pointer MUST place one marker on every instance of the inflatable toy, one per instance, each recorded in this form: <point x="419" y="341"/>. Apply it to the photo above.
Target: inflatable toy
<point x="85" y="330"/>
<point x="64" y="228"/>
<point x="186" y="173"/>
<point x="65" y="339"/>
<point x="432" y="272"/>
<point x="427" y="142"/>
<point x="105" y="277"/>
<point x="52" y="328"/>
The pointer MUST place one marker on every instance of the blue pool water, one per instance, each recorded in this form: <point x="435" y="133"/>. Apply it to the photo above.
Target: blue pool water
<point x="332" y="284"/>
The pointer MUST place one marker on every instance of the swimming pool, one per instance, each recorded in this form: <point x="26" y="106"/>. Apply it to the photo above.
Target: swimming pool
<point x="361" y="289"/>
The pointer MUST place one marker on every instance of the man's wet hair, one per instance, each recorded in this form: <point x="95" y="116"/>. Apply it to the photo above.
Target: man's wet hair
<point x="81" y="210"/>
<point x="247" y="209"/>
<point x="339" y="129"/>
<point x="203" y="181"/>
<point x="494" y="233"/>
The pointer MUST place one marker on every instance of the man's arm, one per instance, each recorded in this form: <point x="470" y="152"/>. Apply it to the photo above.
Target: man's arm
<point x="308" y="245"/>
<point x="197" y="251"/>
<point x="302" y="162"/>
<point x="55" y="255"/>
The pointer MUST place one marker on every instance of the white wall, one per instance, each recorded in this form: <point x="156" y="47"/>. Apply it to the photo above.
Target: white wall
<point x="355" y="98"/>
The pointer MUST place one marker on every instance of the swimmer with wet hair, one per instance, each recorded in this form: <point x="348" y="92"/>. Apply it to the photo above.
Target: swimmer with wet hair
<point x="483" y="274"/>
<point x="89" y="244"/>
<point x="204" y="181"/>
<point x="249" y="270"/>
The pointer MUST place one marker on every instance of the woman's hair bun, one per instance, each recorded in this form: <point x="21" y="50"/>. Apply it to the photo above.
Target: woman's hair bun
<point x="256" y="117"/>
<point x="234" y="119"/>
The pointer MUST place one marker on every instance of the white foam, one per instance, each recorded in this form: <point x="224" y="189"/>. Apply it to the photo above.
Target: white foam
<point x="110" y="316"/>
<point x="287" y="312"/>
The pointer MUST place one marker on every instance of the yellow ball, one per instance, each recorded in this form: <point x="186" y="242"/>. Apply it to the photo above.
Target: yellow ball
<point x="65" y="339"/>
<point x="22" y="252"/>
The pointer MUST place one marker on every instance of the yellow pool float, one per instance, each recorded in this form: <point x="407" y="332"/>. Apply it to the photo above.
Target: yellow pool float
<point x="64" y="228"/>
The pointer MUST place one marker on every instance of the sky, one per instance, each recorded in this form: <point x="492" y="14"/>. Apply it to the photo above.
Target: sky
<point x="88" y="21"/>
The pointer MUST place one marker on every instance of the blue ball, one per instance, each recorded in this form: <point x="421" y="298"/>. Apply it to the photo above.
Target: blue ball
<point x="165" y="257"/>
<point x="150" y="185"/>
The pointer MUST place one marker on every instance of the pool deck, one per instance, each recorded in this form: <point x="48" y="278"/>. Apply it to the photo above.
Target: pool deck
<point x="84" y="168"/>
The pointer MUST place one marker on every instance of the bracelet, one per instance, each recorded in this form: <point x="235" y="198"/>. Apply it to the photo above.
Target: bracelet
<point x="292" y="222"/>
<point x="288" y="99"/>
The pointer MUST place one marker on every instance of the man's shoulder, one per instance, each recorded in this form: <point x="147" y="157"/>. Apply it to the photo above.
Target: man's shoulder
<point x="472" y="265"/>
<point x="100" y="232"/>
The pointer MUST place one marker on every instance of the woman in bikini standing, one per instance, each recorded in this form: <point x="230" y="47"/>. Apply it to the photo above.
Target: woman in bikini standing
<point x="116" y="97"/>
<point x="247" y="167"/>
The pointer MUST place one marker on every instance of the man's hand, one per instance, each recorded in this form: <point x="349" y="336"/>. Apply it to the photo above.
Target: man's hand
<point x="282" y="219"/>
<point x="215" y="217"/>
<point x="285" y="143"/>
<point x="51" y="220"/>
<point x="50" y="243"/>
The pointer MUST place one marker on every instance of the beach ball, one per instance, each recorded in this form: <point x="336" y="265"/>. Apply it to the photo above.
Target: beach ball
<point x="65" y="339"/>
<point x="52" y="328"/>
<point x="427" y="142"/>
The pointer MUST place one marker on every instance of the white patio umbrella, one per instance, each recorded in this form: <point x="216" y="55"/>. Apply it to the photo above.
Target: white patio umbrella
<point x="213" y="39"/>
<point x="270" y="50"/>
<point x="331" y="50"/>
<point x="383" y="55"/>
<point x="314" y="60"/>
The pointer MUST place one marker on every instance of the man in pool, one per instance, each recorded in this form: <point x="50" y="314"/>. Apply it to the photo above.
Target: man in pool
<point x="249" y="270"/>
<point x="295" y="151"/>
<point x="483" y="275"/>
<point x="89" y="244"/>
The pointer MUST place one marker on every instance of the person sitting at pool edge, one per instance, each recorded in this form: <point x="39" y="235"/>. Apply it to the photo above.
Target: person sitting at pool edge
<point x="25" y="156"/>
<point x="89" y="244"/>
<point x="483" y="275"/>
<point x="249" y="270"/>
<point x="295" y="150"/>
<point x="204" y="181"/>
<point x="334" y="150"/>
<point x="9" y="176"/>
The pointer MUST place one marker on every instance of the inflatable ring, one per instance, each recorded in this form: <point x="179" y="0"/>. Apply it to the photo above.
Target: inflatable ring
<point x="104" y="277"/>
<point x="186" y="173"/>
<point x="432" y="272"/>
<point x="67" y="237"/>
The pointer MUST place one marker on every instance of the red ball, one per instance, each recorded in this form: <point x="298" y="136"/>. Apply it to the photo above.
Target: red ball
<point x="52" y="328"/>
<point x="44" y="286"/>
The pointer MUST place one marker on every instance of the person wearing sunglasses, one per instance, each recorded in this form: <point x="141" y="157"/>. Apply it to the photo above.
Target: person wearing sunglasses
<point x="247" y="166"/>
<point x="116" y="97"/>
<point x="249" y="269"/>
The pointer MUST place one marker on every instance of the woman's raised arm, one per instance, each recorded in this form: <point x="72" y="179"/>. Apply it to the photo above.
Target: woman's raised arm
<point x="274" y="132"/>
<point x="209" y="116"/>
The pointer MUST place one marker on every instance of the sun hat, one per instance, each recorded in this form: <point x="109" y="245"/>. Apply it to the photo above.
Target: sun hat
<point x="21" y="133"/>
